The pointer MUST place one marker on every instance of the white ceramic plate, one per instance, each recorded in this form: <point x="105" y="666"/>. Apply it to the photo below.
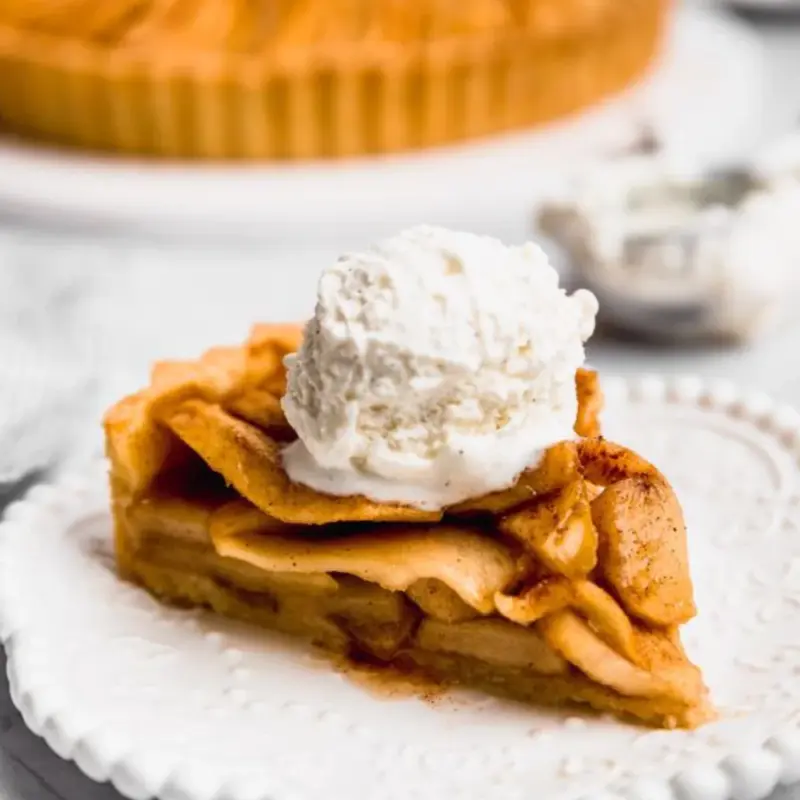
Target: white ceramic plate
<point x="703" y="99"/>
<point x="185" y="706"/>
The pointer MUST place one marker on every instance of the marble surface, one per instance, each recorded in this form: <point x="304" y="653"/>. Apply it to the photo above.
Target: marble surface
<point x="114" y="287"/>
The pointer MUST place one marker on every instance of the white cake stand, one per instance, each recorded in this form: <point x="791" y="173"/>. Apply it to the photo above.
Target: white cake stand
<point x="702" y="98"/>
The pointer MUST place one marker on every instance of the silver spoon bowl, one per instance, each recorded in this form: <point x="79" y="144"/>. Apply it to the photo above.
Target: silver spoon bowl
<point x="653" y="250"/>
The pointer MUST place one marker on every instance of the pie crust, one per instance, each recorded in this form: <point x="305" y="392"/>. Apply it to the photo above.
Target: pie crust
<point x="227" y="79"/>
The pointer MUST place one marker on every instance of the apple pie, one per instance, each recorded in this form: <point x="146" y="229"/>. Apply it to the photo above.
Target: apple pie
<point x="310" y="79"/>
<point x="567" y="588"/>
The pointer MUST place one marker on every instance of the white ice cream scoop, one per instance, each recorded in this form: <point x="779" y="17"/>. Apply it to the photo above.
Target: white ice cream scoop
<point x="437" y="367"/>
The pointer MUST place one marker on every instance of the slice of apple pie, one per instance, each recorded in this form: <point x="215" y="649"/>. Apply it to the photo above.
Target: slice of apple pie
<point x="567" y="587"/>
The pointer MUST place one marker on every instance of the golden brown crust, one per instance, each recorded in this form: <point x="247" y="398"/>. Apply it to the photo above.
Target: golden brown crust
<point x="560" y="690"/>
<point x="250" y="461"/>
<point x="590" y="402"/>
<point x="139" y="446"/>
<point x="241" y="26"/>
<point x="118" y="76"/>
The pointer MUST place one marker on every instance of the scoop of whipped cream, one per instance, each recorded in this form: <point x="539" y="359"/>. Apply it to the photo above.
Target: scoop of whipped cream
<point x="437" y="367"/>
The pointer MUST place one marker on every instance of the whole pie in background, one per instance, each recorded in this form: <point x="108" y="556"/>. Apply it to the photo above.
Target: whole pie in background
<point x="301" y="79"/>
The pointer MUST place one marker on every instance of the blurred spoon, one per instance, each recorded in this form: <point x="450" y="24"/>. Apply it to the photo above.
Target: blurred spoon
<point x="677" y="254"/>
